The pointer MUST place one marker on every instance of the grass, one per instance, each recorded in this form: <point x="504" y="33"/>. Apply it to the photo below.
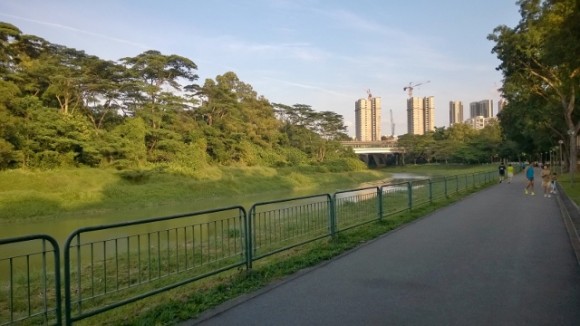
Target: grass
<point x="571" y="185"/>
<point x="48" y="194"/>
<point x="83" y="192"/>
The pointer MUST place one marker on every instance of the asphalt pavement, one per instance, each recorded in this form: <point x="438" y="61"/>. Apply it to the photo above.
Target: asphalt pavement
<point x="497" y="257"/>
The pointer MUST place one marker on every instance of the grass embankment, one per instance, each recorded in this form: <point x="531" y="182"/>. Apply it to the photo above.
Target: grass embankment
<point x="82" y="192"/>
<point x="571" y="185"/>
<point x="49" y="194"/>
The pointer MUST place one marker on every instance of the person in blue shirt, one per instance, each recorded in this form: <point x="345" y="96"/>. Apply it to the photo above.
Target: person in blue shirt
<point x="530" y="177"/>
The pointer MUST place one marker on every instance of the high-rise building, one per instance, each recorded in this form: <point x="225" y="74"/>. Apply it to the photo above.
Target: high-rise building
<point x="420" y="115"/>
<point x="368" y="118"/>
<point x="455" y="112"/>
<point x="483" y="108"/>
<point x="429" y="113"/>
<point x="415" y="124"/>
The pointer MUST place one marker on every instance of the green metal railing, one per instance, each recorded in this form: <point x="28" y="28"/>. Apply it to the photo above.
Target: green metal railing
<point x="109" y="266"/>
<point x="33" y="292"/>
<point x="279" y="225"/>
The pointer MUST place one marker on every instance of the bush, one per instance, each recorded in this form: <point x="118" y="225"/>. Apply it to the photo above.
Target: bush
<point x="135" y="176"/>
<point x="52" y="159"/>
<point x="344" y="165"/>
<point x="9" y="158"/>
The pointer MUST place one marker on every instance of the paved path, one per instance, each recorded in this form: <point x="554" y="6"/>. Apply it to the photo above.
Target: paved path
<point x="497" y="257"/>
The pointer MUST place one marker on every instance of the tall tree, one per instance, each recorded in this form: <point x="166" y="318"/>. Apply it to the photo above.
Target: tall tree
<point x="539" y="61"/>
<point x="157" y="95"/>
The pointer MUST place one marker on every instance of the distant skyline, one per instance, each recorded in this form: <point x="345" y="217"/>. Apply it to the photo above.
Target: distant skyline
<point x="322" y="53"/>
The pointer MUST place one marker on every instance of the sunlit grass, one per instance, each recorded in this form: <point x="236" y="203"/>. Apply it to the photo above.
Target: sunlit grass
<point x="571" y="185"/>
<point x="84" y="191"/>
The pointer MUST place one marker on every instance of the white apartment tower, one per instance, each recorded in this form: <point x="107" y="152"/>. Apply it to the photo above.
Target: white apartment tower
<point x="429" y="113"/>
<point x="420" y="115"/>
<point x="455" y="112"/>
<point x="482" y="108"/>
<point x="368" y="119"/>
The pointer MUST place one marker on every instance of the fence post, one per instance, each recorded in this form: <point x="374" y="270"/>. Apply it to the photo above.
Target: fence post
<point x="380" y="208"/>
<point x="457" y="183"/>
<point x="249" y="242"/>
<point x="410" y="194"/>
<point x="445" y="182"/>
<point x="430" y="191"/>
<point x="332" y="215"/>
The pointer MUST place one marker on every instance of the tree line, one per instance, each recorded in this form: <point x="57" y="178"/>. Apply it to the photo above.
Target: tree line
<point x="460" y="143"/>
<point x="62" y="107"/>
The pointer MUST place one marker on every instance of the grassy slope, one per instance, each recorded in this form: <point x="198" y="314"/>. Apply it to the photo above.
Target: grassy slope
<point x="571" y="186"/>
<point x="44" y="194"/>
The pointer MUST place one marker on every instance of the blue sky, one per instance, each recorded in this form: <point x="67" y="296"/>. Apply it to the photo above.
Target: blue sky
<point x="322" y="53"/>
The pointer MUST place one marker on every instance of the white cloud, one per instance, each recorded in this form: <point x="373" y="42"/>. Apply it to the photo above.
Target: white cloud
<point x="77" y="30"/>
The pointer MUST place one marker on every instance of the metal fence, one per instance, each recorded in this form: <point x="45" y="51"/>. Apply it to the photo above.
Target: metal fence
<point x="109" y="266"/>
<point x="32" y="292"/>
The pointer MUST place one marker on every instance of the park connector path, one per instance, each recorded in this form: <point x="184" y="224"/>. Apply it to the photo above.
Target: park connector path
<point x="496" y="257"/>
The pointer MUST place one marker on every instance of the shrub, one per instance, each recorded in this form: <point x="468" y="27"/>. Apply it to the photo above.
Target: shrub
<point x="135" y="176"/>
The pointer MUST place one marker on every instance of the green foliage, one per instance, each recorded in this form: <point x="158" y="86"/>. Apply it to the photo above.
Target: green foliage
<point x="459" y="143"/>
<point x="63" y="107"/>
<point x="541" y="69"/>
<point x="9" y="158"/>
<point x="345" y="164"/>
<point x="135" y="176"/>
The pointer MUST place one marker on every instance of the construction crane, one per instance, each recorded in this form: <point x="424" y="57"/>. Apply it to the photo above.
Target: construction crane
<point x="409" y="88"/>
<point x="392" y="124"/>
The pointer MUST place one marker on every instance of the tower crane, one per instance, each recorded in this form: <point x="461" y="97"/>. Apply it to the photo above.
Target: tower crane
<point x="409" y="88"/>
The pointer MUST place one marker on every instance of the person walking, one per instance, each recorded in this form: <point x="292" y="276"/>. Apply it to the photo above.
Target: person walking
<point x="501" y="172"/>
<point x="510" y="172"/>
<point x="546" y="180"/>
<point x="530" y="177"/>
<point x="553" y="183"/>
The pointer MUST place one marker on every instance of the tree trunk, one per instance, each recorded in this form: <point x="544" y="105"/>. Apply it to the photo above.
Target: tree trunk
<point x="573" y="158"/>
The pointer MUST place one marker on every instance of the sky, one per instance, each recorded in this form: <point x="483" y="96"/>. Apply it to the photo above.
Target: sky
<point x="322" y="53"/>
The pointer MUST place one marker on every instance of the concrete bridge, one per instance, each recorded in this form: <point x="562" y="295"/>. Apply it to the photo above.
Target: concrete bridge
<point x="377" y="153"/>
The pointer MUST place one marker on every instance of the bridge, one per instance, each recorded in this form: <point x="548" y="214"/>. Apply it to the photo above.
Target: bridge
<point x="377" y="153"/>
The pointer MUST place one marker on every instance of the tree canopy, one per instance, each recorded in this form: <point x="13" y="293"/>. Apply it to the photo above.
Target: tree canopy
<point x="540" y="63"/>
<point x="63" y="107"/>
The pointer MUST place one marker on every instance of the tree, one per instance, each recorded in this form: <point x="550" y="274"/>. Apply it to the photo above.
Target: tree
<point x="539" y="62"/>
<point x="417" y="147"/>
<point x="154" y="94"/>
